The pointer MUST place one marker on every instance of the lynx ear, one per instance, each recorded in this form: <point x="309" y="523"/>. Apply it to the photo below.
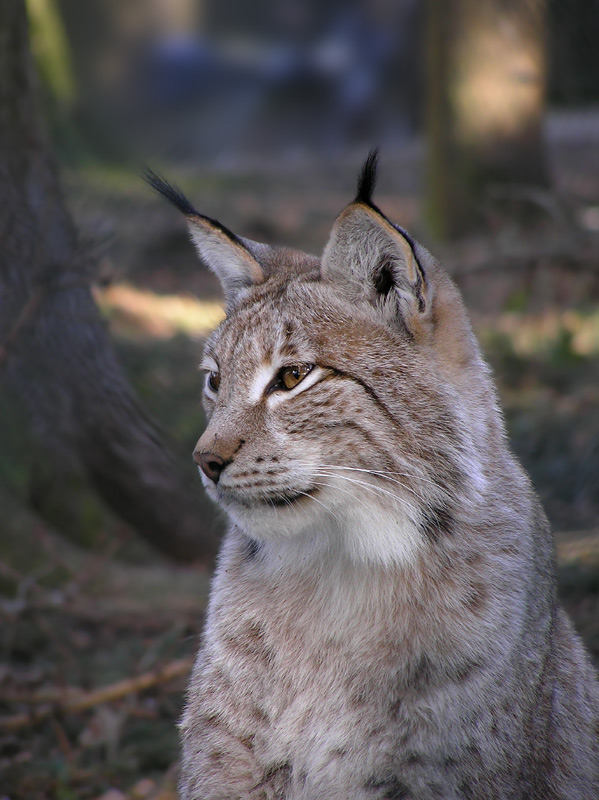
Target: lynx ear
<point x="370" y="257"/>
<point x="234" y="260"/>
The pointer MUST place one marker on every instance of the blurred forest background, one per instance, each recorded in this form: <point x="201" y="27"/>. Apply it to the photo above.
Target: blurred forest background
<point x="487" y="115"/>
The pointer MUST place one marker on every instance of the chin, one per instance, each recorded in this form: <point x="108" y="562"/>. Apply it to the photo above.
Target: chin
<point x="281" y="522"/>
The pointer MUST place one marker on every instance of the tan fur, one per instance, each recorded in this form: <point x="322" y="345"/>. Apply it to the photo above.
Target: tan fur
<point x="383" y="620"/>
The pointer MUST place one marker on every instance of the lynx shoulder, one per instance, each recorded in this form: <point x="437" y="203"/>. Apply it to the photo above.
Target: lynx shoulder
<point x="383" y="621"/>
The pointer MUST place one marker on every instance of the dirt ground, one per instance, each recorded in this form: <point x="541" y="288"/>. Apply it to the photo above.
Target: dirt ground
<point x="98" y="632"/>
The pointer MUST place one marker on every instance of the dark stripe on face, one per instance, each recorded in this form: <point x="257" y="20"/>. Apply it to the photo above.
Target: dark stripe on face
<point x="378" y="450"/>
<point x="369" y="391"/>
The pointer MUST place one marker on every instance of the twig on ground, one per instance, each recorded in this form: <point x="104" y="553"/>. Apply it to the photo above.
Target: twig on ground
<point x="73" y="700"/>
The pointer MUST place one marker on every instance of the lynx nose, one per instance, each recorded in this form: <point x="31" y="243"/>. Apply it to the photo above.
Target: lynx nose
<point x="211" y="464"/>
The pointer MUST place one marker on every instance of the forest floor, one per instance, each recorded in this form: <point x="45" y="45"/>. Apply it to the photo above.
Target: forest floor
<point x="98" y="634"/>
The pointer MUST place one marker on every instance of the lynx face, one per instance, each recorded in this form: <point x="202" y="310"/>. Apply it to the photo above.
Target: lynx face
<point x="308" y="441"/>
<point x="332" y="413"/>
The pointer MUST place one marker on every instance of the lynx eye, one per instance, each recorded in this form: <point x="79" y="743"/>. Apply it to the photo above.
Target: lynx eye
<point x="214" y="380"/>
<point x="291" y="376"/>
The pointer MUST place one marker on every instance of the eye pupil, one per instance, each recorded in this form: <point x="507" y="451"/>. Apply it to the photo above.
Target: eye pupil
<point x="214" y="381"/>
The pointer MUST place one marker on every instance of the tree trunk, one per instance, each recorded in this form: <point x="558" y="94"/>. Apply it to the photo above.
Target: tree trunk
<point x="486" y="90"/>
<point x="55" y="354"/>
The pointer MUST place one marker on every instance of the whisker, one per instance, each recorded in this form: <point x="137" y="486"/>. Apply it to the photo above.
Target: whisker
<point x="326" y="508"/>
<point x="378" y="472"/>
<point x="372" y="486"/>
<point x="422" y="501"/>
<point x="353" y="496"/>
<point x="376" y="490"/>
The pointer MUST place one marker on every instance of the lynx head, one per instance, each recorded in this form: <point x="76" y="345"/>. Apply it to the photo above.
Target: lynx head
<point x="347" y="401"/>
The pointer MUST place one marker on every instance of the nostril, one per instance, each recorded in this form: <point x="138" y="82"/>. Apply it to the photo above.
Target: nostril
<point x="211" y="464"/>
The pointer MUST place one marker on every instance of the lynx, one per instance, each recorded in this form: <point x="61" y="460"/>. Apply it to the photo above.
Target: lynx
<point x="383" y="621"/>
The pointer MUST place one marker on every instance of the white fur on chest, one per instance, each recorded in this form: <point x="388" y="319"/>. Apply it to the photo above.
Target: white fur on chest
<point x="336" y="687"/>
<point x="320" y="692"/>
<point x="335" y="668"/>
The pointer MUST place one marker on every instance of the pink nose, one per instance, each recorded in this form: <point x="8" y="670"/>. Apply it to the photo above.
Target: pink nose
<point x="211" y="464"/>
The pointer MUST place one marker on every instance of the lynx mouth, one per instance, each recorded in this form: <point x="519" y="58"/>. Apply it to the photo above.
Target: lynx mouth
<point x="291" y="498"/>
<point x="281" y="500"/>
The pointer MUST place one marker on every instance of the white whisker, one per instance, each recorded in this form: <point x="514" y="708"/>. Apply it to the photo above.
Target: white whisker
<point x="326" y="508"/>
<point x="369" y="487"/>
<point x="379" y="473"/>
<point x="353" y="496"/>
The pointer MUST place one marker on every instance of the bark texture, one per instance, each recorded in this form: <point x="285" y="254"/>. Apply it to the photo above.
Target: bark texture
<point x="55" y="353"/>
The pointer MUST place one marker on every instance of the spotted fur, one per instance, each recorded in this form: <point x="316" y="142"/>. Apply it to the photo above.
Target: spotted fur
<point x="383" y="622"/>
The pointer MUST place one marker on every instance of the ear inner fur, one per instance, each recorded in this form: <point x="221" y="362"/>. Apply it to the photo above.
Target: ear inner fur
<point x="225" y="254"/>
<point x="362" y="239"/>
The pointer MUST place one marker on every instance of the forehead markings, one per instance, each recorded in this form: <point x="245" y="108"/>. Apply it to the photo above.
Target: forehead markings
<point x="266" y="340"/>
<point x="270" y="361"/>
<point x="240" y="336"/>
<point x="275" y="354"/>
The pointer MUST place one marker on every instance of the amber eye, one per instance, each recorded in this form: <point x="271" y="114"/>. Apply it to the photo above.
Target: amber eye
<point x="214" y="381"/>
<point x="291" y="376"/>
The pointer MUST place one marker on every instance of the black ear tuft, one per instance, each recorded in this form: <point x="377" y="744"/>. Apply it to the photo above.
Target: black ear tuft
<point x="172" y="193"/>
<point x="367" y="179"/>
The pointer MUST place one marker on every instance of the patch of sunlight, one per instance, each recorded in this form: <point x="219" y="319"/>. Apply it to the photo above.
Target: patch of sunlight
<point x="532" y="334"/>
<point x="577" y="546"/>
<point x="136" y="312"/>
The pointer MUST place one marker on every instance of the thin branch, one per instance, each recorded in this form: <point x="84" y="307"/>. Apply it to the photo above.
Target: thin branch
<point x="72" y="700"/>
